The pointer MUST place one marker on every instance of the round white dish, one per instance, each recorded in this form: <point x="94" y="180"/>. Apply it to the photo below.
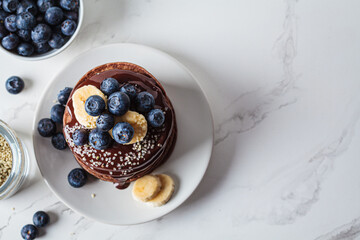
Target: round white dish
<point x="187" y="163"/>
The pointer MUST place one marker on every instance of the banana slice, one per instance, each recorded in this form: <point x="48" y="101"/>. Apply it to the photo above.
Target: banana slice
<point x="167" y="190"/>
<point x="146" y="188"/>
<point x="137" y="121"/>
<point x="79" y="97"/>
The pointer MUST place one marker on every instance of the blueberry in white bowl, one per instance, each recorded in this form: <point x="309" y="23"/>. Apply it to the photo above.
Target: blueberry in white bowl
<point x="10" y="5"/>
<point x="25" y="21"/>
<point x="25" y="49"/>
<point x="10" y="23"/>
<point x="10" y="42"/>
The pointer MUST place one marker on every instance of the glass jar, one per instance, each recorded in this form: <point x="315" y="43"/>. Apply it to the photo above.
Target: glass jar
<point x="20" y="162"/>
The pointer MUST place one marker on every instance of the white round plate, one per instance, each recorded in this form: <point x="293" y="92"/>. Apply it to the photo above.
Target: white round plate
<point x="187" y="163"/>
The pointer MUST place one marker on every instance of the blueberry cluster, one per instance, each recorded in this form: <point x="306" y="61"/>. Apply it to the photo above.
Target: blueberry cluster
<point x="120" y="100"/>
<point x="47" y="126"/>
<point x="30" y="27"/>
<point x="30" y="231"/>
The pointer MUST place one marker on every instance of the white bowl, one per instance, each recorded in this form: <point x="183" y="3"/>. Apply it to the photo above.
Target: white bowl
<point x="53" y="52"/>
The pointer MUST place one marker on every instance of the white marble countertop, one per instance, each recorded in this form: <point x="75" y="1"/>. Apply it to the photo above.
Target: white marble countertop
<point x="282" y="78"/>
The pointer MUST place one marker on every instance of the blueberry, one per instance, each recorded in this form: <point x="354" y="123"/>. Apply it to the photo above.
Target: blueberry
<point x="123" y="132"/>
<point x="10" y="23"/>
<point x="3" y="15"/>
<point x="46" y="127"/>
<point x="10" y="41"/>
<point x="56" y="41"/>
<point x="29" y="231"/>
<point x="69" y="4"/>
<point x="24" y="34"/>
<point x="3" y="31"/>
<point x="63" y="95"/>
<point x="14" y="85"/>
<point x="118" y="103"/>
<point x="25" y="49"/>
<point x="105" y="122"/>
<point x="130" y="90"/>
<point x="156" y="118"/>
<point x="144" y="102"/>
<point x="99" y="140"/>
<point x="80" y="137"/>
<point x="41" y="47"/>
<point x="68" y="27"/>
<point x="10" y="5"/>
<point x="77" y="177"/>
<point x="71" y="15"/>
<point x="57" y="113"/>
<point x="25" y="21"/>
<point x="41" y="219"/>
<point x="27" y="6"/>
<point x="95" y="105"/>
<point x="45" y="5"/>
<point x="54" y="16"/>
<point x="41" y="33"/>
<point x="109" y="86"/>
<point x="58" y="141"/>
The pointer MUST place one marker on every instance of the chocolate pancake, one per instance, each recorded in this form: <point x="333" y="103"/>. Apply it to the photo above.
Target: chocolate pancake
<point x="120" y="163"/>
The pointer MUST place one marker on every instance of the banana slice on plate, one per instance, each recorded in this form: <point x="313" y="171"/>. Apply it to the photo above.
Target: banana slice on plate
<point x="167" y="190"/>
<point x="79" y="98"/>
<point x="146" y="188"/>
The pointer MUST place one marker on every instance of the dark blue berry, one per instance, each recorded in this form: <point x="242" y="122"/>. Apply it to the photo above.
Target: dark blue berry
<point x="27" y="6"/>
<point x="58" y="141"/>
<point x="45" y="5"/>
<point x="25" y="49"/>
<point x="95" y="105"/>
<point x="29" y="232"/>
<point x="105" y="122"/>
<point x="10" y="41"/>
<point x="41" y="47"/>
<point x="69" y="4"/>
<point x="54" y="16"/>
<point x="14" y="85"/>
<point x="41" y="33"/>
<point x="3" y="31"/>
<point x="77" y="178"/>
<point x="3" y="15"/>
<point x="80" y="137"/>
<point x="24" y="35"/>
<point x="123" y="132"/>
<point x="10" y="23"/>
<point x="99" y="140"/>
<point x="144" y="102"/>
<point x="56" y="41"/>
<point x="25" y="21"/>
<point x="41" y="219"/>
<point x="71" y="15"/>
<point x="63" y="95"/>
<point x="57" y="113"/>
<point x="156" y="118"/>
<point x="10" y="5"/>
<point x="130" y="90"/>
<point x="118" y="103"/>
<point x="46" y="127"/>
<point x="68" y="27"/>
<point x="109" y="86"/>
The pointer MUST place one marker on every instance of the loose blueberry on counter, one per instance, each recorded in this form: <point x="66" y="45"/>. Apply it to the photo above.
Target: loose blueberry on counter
<point x="156" y="118"/>
<point x="29" y="231"/>
<point x="80" y="137"/>
<point x="41" y="33"/>
<point x="41" y="219"/>
<point x="105" y="122"/>
<point x="58" y="141"/>
<point x="46" y="127"/>
<point x="57" y="113"/>
<point x="14" y="85"/>
<point x="10" y="41"/>
<point x="123" y="132"/>
<point x="95" y="105"/>
<point x="69" y="4"/>
<point x="27" y="6"/>
<point x="25" y="21"/>
<point x="10" y="5"/>
<point x="41" y="47"/>
<point x="71" y="15"/>
<point x="109" y="86"/>
<point x="68" y="27"/>
<point x="99" y="140"/>
<point x="118" y="103"/>
<point x="56" y="41"/>
<point x="54" y="16"/>
<point x="3" y="31"/>
<point x="10" y="23"/>
<point x="45" y="5"/>
<point x="63" y="95"/>
<point x="24" y="35"/>
<point x="25" y="49"/>
<point x="77" y="177"/>
<point x="144" y="102"/>
<point x="130" y="90"/>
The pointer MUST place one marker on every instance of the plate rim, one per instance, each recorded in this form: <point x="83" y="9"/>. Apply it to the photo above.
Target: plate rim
<point x="166" y="55"/>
